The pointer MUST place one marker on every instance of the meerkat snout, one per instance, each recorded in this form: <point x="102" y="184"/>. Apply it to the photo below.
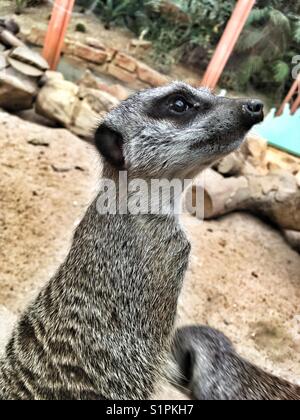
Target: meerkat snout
<point x="174" y="131"/>
<point x="253" y="112"/>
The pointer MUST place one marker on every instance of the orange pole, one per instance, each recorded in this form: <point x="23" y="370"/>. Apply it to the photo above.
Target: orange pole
<point x="289" y="97"/>
<point x="60" y="18"/>
<point x="296" y="104"/>
<point x="227" y="43"/>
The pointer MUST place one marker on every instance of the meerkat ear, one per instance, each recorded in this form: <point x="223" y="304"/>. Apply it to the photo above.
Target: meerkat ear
<point x="110" y="144"/>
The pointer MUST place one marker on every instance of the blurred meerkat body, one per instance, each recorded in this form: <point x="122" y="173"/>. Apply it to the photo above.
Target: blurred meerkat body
<point x="211" y="369"/>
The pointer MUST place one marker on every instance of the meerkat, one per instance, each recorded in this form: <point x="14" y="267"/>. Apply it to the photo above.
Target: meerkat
<point x="102" y="327"/>
<point x="211" y="369"/>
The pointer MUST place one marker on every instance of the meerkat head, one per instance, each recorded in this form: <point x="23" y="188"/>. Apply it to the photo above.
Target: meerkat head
<point x="174" y="131"/>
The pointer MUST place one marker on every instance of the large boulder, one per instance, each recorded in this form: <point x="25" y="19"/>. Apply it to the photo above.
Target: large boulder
<point x="56" y="101"/>
<point x="77" y="108"/>
<point x="9" y="40"/>
<point x="90" y="81"/>
<point x="17" y="91"/>
<point x="92" y="105"/>
<point x="20" y="70"/>
<point x="27" y="62"/>
<point x="255" y="157"/>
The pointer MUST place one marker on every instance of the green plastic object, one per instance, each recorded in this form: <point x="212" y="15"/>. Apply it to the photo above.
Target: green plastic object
<point x="281" y="132"/>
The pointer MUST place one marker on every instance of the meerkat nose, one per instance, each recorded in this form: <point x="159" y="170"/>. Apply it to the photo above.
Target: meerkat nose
<point x="253" y="111"/>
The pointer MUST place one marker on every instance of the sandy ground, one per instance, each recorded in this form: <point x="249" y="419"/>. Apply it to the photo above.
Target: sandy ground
<point x="243" y="278"/>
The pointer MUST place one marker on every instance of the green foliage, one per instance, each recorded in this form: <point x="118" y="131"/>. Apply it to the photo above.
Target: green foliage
<point x="80" y="27"/>
<point x="262" y="57"/>
<point x="296" y="32"/>
<point x="22" y="4"/>
<point x="281" y="72"/>
<point x="265" y="48"/>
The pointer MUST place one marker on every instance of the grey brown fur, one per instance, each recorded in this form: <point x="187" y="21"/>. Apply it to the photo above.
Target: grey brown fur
<point x="211" y="369"/>
<point x="103" y="325"/>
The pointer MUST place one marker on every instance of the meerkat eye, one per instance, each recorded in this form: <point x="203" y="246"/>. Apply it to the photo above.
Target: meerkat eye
<point x="179" y="105"/>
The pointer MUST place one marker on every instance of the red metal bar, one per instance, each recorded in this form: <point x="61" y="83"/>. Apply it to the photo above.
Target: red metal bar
<point x="227" y="43"/>
<point x="296" y="104"/>
<point x="289" y="97"/>
<point x="60" y="18"/>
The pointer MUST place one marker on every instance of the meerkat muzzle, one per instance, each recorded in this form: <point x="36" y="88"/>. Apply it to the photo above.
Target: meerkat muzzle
<point x="253" y="112"/>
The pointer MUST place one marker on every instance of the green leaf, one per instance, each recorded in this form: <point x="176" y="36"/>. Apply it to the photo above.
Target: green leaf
<point x="280" y="20"/>
<point x="250" y="38"/>
<point x="258" y="15"/>
<point x="296" y="32"/>
<point x="281" y="71"/>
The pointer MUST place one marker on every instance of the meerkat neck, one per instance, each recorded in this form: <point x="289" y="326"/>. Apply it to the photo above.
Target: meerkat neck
<point x="122" y="193"/>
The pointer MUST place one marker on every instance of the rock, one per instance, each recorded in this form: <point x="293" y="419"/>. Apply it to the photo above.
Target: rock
<point x="98" y="100"/>
<point x="76" y="108"/>
<point x="25" y="68"/>
<point x="12" y="26"/>
<point x="111" y="53"/>
<point x="126" y="62"/>
<point x="85" y="119"/>
<point x="255" y="157"/>
<point x="61" y="168"/>
<point x="87" y="53"/>
<point x="95" y="43"/>
<point x="10" y="40"/>
<point x="293" y="238"/>
<point x="257" y="147"/>
<point x="28" y="56"/>
<point x="249" y="159"/>
<point x="36" y="35"/>
<point x="56" y="101"/>
<point x="31" y="116"/>
<point x="91" y="106"/>
<point x="48" y="75"/>
<point x="277" y="160"/>
<point x="3" y="61"/>
<point x="150" y="76"/>
<point x="118" y="91"/>
<point x="90" y="81"/>
<point x="17" y="91"/>
<point x="230" y="165"/>
<point x="38" y="142"/>
<point x="121" y="74"/>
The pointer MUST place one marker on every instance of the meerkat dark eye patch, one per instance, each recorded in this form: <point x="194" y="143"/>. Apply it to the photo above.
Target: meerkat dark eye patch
<point x="177" y="107"/>
<point x="110" y="145"/>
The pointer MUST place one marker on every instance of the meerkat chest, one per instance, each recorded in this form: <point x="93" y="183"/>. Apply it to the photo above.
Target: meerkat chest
<point x="167" y="245"/>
